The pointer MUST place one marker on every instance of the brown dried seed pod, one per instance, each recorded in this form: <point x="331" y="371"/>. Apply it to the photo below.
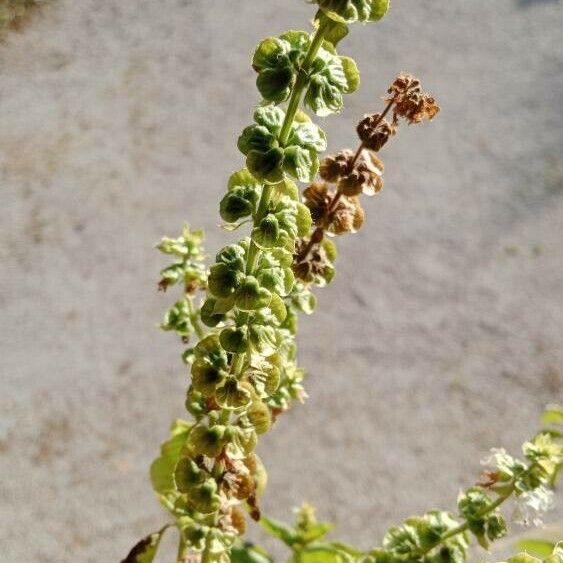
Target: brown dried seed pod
<point x="317" y="199"/>
<point x="238" y="520"/>
<point x="374" y="131"/>
<point x="402" y="83"/>
<point x="336" y="165"/>
<point x="243" y="486"/>
<point x="366" y="176"/>
<point x="411" y="102"/>
<point x="348" y="217"/>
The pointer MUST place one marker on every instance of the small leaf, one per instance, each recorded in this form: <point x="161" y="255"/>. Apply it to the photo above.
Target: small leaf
<point x="246" y="553"/>
<point x="279" y="530"/>
<point x="553" y="415"/>
<point x="541" y="548"/>
<point x="145" y="550"/>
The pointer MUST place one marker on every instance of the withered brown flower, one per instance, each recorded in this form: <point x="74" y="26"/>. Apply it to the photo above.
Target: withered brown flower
<point x="410" y="101"/>
<point x="351" y="175"/>
<point x="318" y="198"/>
<point x="344" y="216"/>
<point x="365" y="177"/>
<point x="334" y="166"/>
<point x="374" y="131"/>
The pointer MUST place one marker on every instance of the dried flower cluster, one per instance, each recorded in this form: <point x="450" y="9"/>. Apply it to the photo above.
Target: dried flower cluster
<point x="334" y="202"/>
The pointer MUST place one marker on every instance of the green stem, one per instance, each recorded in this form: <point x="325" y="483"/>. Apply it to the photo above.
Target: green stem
<point x="268" y="189"/>
<point x="301" y="82"/>
<point x="465" y="526"/>
<point x="194" y="318"/>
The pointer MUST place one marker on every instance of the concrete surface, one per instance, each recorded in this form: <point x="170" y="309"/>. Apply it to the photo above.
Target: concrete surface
<point x="440" y="337"/>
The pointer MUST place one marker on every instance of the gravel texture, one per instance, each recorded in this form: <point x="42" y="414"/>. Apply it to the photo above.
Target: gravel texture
<point x="440" y="337"/>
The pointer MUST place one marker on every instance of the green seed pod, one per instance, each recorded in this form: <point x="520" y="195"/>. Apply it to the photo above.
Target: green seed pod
<point x="250" y="296"/>
<point x="237" y="203"/>
<point x="233" y="256"/>
<point x="207" y="313"/>
<point x="234" y="339"/>
<point x="207" y="441"/>
<point x="349" y="11"/>
<point x="196" y="403"/>
<point x="233" y="394"/>
<point x="204" y="498"/>
<point x="206" y="378"/>
<point x="259" y="415"/>
<point x="268" y="231"/>
<point x="266" y="165"/>
<point x="301" y="163"/>
<point x="496" y="527"/>
<point x="223" y="280"/>
<point x="265" y="381"/>
<point x="241" y="441"/>
<point x="187" y="475"/>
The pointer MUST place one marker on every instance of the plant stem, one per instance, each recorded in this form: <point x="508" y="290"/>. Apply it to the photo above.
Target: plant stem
<point x="301" y="82"/>
<point x="465" y="525"/>
<point x="194" y="318"/>
<point x="268" y="189"/>
<point x="319" y="231"/>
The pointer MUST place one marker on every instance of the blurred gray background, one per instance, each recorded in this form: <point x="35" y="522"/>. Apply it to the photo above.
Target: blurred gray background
<point x="439" y="338"/>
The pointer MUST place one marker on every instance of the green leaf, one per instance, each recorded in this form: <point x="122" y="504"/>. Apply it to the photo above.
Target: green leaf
<point x="204" y="498"/>
<point x="279" y="530"/>
<point x="238" y="203"/>
<point x="259" y="416"/>
<point x="246" y="553"/>
<point x="541" y="548"/>
<point x="162" y="468"/>
<point x="553" y="415"/>
<point x="378" y="9"/>
<point x="267" y="233"/>
<point x="145" y="550"/>
<point x="523" y="558"/>
<point x="323" y="553"/>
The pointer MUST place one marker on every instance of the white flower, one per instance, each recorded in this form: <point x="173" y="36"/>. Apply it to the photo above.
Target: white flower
<point x="492" y="459"/>
<point x="531" y="505"/>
